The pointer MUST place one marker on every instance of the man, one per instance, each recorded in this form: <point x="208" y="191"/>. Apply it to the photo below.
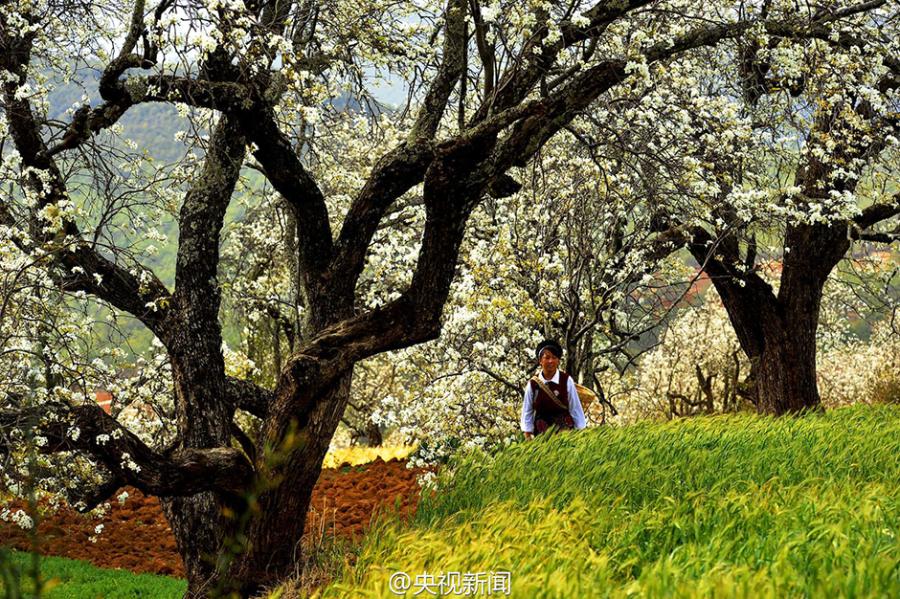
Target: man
<point x="550" y="397"/>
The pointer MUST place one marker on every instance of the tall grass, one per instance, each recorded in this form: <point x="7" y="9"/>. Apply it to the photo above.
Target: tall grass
<point x="737" y="506"/>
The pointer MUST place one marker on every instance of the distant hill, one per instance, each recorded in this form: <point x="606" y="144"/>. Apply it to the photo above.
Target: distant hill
<point x="151" y="126"/>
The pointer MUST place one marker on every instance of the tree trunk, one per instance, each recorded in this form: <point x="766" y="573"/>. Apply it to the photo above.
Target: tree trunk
<point x="197" y="521"/>
<point x="786" y="366"/>
<point x="194" y="342"/>
<point x="279" y="515"/>
<point x="780" y="343"/>
<point x="198" y="540"/>
<point x="778" y="333"/>
<point x="373" y="435"/>
<point x="786" y="371"/>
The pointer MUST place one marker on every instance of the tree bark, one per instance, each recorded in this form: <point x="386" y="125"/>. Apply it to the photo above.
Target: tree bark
<point x="203" y="411"/>
<point x="198" y="542"/>
<point x="778" y="332"/>
<point x="197" y="521"/>
<point x="786" y="372"/>
<point x="279" y="515"/>
<point x="781" y="346"/>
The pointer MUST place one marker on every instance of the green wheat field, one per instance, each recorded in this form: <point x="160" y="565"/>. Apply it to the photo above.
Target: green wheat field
<point x="726" y="506"/>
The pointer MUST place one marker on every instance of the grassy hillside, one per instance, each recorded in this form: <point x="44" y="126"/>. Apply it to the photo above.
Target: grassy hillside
<point x="737" y="506"/>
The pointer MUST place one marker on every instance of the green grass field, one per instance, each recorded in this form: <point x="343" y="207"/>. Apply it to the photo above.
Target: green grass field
<point x="72" y="579"/>
<point x="728" y="506"/>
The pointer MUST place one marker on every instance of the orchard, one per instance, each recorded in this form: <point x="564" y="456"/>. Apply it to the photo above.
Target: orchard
<point x="311" y="260"/>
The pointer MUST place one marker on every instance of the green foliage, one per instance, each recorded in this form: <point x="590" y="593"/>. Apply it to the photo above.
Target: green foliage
<point x="728" y="506"/>
<point x="64" y="578"/>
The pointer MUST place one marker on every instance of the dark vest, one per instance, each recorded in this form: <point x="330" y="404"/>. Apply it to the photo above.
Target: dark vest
<point x="548" y="412"/>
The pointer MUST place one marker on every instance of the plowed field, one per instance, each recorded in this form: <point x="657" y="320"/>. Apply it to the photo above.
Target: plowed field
<point x="137" y="537"/>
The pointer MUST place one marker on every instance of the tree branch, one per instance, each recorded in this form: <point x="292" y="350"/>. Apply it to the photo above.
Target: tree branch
<point x="530" y="134"/>
<point x="248" y="396"/>
<point x="452" y="66"/>
<point x="87" y="121"/>
<point x="395" y="174"/>
<point x="887" y="238"/>
<point x="200" y="223"/>
<point x="499" y="379"/>
<point x="139" y="296"/>
<point x="516" y="83"/>
<point x="290" y="178"/>
<point x="89" y="429"/>
<point x="485" y="49"/>
<point x="400" y="170"/>
<point x="87" y="496"/>
<point x="874" y="214"/>
<point x="226" y="96"/>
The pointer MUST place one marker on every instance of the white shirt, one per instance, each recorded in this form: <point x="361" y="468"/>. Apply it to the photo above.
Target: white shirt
<point x="575" y="410"/>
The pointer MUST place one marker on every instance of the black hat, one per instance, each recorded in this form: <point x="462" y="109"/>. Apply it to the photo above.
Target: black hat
<point x="550" y="344"/>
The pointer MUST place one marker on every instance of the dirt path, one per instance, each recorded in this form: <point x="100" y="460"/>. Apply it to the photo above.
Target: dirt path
<point x="137" y="537"/>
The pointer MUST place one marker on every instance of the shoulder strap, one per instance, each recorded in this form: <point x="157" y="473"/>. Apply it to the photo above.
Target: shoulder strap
<point x="546" y="389"/>
<point x="564" y="384"/>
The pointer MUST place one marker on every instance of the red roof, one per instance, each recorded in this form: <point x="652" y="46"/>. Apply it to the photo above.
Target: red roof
<point x="104" y="400"/>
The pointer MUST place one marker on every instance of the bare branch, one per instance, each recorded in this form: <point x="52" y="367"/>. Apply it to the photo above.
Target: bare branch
<point x="227" y="96"/>
<point x="248" y="396"/>
<point x="397" y="172"/>
<point x="287" y="174"/>
<point x="887" y="238"/>
<point x="117" y="285"/>
<point x="512" y="387"/>
<point x="87" y="496"/>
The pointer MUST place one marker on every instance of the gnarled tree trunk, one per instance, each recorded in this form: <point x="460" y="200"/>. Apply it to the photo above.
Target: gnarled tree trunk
<point x="280" y="513"/>
<point x="778" y="332"/>
<point x="786" y="369"/>
<point x="781" y="346"/>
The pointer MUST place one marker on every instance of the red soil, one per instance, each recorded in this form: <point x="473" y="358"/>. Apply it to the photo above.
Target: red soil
<point x="137" y="537"/>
